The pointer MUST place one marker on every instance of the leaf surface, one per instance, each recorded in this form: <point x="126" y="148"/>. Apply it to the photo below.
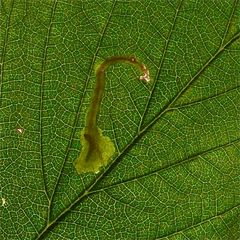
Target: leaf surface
<point x="175" y="172"/>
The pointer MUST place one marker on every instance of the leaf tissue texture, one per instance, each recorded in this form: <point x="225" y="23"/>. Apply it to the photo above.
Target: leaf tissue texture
<point x="175" y="173"/>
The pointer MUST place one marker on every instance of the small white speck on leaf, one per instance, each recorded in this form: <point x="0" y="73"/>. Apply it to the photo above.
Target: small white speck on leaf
<point x="20" y="130"/>
<point x="146" y="76"/>
<point x="3" y="202"/>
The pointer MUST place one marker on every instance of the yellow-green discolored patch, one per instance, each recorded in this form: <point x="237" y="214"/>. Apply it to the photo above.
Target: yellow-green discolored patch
<point x="97" y="150"/>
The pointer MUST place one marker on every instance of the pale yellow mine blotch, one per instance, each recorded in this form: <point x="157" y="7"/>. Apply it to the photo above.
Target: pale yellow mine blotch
<point x="97" y="150"/>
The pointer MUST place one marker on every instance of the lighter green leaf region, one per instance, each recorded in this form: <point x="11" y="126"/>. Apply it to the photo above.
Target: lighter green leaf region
<point x="96" y="152"/>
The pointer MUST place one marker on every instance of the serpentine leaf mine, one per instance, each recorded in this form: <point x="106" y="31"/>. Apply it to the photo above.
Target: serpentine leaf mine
<point x="97" y="149"/>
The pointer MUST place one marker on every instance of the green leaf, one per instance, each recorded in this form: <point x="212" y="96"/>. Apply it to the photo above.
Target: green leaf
<point x="175" y="172"/>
